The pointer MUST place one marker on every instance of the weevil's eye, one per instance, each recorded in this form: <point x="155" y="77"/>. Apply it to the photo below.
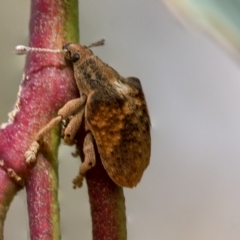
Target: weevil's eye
<point x="75" y="57"/>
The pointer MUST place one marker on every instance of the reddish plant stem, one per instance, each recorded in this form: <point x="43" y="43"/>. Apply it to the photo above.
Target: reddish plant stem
<point x="47" y="22"/>
<point x="46" y="86"/>
<point x="42" y="202"/>
<point x="107" y="205"/>
<point x="107" y="201"/>
<point x="7" y="191"/>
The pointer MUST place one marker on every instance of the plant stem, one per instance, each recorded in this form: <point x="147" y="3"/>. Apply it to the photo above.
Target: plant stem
<point x="7" y="191"/>
<point x="49" y="28"/>
<point x="107" y="201"/>
<point x="107" y="205"/>
<point x="46" y="86"/>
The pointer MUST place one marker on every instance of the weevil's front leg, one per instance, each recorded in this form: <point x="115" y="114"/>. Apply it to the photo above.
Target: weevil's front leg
<point x="89" y="160"/>
<point x="72" y="107"/>
<point x="67" y="110"/>
<point x="31" y="154"/>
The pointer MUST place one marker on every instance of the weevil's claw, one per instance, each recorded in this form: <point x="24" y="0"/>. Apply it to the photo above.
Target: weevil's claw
<point x="12" y="174"/>
<point x="31" y="154"/>
<point x="78" y="181"/>
<point x="75" y="153"/>
<point x="30" y="157"/>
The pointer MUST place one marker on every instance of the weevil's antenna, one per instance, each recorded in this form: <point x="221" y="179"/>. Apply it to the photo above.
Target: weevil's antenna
<point x="21" y="50"/>
<point x="98" y="43"/>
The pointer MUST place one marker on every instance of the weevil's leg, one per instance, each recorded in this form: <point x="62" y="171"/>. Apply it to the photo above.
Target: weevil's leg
<point x="52" y="124"/>
<point x="72" y="127"/>
<point x="12" y="174"/>
<point x="31" y="153"/>
<point x="67" y="110"/>
<point x="72" y="107"/>
<point x="89" y="160"/>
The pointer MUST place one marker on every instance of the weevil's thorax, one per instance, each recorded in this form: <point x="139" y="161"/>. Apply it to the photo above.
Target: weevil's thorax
<point x="92" y="74"/>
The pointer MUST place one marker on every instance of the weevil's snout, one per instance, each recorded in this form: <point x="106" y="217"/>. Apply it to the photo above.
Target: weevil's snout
<point x="66" y="51"/>
<point x="66" y="46"/>
<point x="71" y="52"/>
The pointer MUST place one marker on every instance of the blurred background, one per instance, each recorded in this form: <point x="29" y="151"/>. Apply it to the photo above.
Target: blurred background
<point x="191" y="190"/>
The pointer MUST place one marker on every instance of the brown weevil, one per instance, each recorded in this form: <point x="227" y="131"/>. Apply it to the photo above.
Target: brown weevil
<point x="115" y="115"/>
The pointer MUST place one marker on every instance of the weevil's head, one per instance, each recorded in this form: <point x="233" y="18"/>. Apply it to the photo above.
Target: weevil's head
<point x="76" y="53"/>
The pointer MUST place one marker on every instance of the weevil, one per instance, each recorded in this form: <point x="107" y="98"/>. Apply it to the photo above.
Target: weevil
<point x="115" y="116"/>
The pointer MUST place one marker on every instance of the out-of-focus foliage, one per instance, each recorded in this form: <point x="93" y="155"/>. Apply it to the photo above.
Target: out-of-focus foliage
<point x="219" y="18"/>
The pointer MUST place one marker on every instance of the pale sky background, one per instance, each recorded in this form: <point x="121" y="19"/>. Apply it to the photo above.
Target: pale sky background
<point x="191" y="190"/>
